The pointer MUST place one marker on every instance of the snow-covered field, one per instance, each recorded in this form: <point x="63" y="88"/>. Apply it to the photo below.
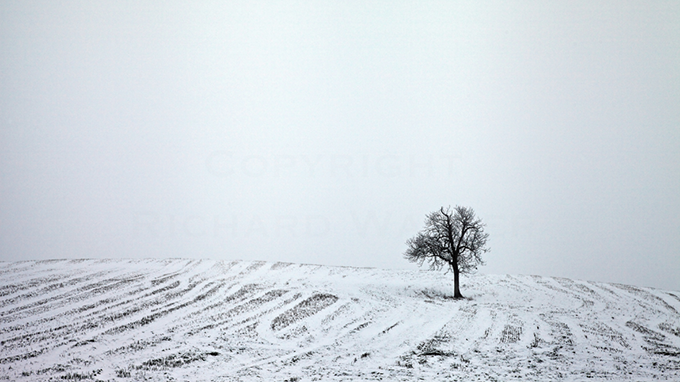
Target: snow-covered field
<point x="202" y="320"/>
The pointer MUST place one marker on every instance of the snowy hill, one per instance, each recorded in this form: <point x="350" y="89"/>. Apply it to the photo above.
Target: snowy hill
<point x="240" y="321"/>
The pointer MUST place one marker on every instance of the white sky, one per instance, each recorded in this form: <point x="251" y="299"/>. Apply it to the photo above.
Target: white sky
<point x="324" y="132"/>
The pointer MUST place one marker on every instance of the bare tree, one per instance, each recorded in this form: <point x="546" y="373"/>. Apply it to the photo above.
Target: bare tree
<point x="452" y="239"/>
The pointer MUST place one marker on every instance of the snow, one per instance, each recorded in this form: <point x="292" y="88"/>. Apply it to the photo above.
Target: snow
<point x="204" y="320"/>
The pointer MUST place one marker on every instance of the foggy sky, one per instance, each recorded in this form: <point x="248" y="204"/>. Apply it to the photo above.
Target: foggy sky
<point x="324" y="132"/>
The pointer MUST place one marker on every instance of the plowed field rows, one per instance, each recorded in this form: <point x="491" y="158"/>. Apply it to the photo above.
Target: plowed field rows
<point x="203" y="320"/>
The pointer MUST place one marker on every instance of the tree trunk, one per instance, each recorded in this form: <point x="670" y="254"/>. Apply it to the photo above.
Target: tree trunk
<point x="456" y="284"/>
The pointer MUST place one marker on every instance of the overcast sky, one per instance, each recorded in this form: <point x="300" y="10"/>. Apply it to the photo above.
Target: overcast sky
<point x="325" y="131"/>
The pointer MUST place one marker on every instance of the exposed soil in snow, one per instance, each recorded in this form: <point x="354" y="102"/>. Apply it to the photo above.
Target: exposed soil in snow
<point x="208" y="320"/>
